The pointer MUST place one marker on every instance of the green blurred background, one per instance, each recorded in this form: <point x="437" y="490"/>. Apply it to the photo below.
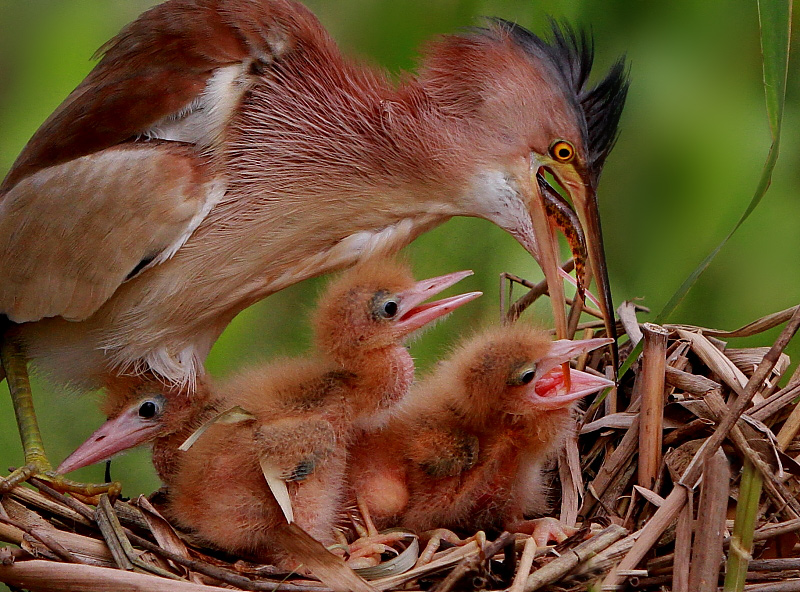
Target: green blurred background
<point x="694" y="138"/>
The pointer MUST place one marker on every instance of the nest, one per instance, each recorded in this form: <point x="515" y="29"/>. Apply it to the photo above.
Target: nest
<point x="673" y="477"/>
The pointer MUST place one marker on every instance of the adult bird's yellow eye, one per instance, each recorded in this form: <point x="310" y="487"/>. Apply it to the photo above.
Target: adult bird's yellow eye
<point x="562" y="151"/>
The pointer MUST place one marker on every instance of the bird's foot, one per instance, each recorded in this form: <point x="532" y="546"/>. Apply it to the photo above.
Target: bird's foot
<point x="366" y="551"/>
<point x="543" y="530"/>
<point x="38" y="466"/>
<point x="435" y="538"/>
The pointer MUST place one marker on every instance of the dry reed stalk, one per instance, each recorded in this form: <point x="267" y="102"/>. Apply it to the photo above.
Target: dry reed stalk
<point x="569" y="469"/>
<point x="571" y="559"/>
<point x="691" y="383"/>
<point x="611" y="467"/>
<point x="765" y="323"/>
<point x="623" y="421"/>
<point x="788" y="586"/>
<point x="677" y="498"/>
<point x="747" y="359"/>
<point x="41" y="535"/>
<point x="693" y="429"/>
<point x="630" y="324"/>
<point x="534" y="292"/>
<point x="683" y="549"/>
<point x="775" y="403"/>
<point x="781" y="496"/>
<point x="610" y="402"/>
<point x="769" y="531"/>
<point x="716" y="360"/>
<point x="446" y="559"/>
<point x="36" y="499"/>
<point x="524" y="566"/>
<point x="166" y="537"/>
<point x="89" y="550"/>
<point x="474" y="563"/>
<point x="651" y="392"/>
<point x="789" y="429"/>
<point x="711" y="511"/>
<point x="329" y="568"/>
<point x="47" y="576"/>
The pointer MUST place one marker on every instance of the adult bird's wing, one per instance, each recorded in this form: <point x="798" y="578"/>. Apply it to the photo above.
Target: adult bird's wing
<point x="178" y="60"/>
<point x="72" y="233"/>
<point x="92" y="199"/>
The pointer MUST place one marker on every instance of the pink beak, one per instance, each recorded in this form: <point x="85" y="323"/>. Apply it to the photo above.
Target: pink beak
<point x="114" y="436"/>
<point x="412" y="314"/>
<point x="548" y="389"/>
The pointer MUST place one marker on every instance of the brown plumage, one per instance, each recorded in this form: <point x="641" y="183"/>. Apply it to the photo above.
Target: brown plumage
<point x="222" y="150"/>
<point x="303" y="414"/>
<point x="468" y="445"/>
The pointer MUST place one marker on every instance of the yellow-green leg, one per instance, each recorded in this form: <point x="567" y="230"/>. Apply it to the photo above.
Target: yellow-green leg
<point x="15" y="368"/>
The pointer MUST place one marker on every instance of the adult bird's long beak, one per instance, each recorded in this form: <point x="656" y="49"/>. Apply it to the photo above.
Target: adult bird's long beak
<point x="550" y="388"/>
<point x="412" y="314"/>
<point x="116" y="435"/>
<point x="584" y="199"/>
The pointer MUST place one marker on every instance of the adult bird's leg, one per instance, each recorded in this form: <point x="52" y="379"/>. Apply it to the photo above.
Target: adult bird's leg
<point x="15" y="367"/>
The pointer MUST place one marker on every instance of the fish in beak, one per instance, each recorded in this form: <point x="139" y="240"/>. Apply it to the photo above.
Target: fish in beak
<point x="584" y="199"/>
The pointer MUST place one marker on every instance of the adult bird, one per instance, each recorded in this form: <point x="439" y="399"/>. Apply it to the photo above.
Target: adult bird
<point x="222" y="150"/>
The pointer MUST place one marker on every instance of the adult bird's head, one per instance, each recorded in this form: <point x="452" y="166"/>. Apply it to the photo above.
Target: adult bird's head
<point x="532" y="112"/>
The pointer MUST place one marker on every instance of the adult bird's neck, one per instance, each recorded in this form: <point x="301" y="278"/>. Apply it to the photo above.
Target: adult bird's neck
<point x="317" y="126"/>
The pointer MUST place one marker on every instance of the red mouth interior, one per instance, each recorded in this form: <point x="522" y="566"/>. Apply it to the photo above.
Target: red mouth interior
<point x="549" y="384"/>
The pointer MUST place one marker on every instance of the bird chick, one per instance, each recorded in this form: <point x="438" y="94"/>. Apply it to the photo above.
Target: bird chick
<point x="301" y="415"/>
<point x="468" y="446"/>
<point x="304" y="415"/>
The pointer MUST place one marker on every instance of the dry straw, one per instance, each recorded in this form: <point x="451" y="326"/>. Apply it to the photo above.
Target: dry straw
<point x="652" y="477"/>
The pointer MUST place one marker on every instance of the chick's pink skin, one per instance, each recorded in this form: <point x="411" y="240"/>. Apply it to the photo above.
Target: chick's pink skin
<point x="305" y="412"/>
<point x="469" y="444"/>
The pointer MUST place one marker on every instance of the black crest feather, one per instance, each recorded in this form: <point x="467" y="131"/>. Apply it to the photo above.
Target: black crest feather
<point x="570" y="54"/>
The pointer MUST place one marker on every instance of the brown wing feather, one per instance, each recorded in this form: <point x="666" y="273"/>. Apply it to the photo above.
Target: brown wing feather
<point x="72" y="233"/>
<point x="155" y="67"/>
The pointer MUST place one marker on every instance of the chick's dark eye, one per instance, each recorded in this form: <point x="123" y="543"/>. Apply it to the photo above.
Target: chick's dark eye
<point x="389" y="309"/>
<point x="526" y="377"/>
<point x="148" y="410"/>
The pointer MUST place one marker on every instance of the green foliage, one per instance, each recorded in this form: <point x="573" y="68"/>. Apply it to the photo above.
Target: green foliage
<point x="774" y="17"/>
<point x="776" y="26"/>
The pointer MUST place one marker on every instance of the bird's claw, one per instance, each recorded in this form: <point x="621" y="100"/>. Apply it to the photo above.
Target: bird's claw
<point x="366" y="551"/>
<point x="18" y="476"/>
<point x="435" y="538"/>
<point x="544" y="530"/>
<point x="40" y="468"/>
